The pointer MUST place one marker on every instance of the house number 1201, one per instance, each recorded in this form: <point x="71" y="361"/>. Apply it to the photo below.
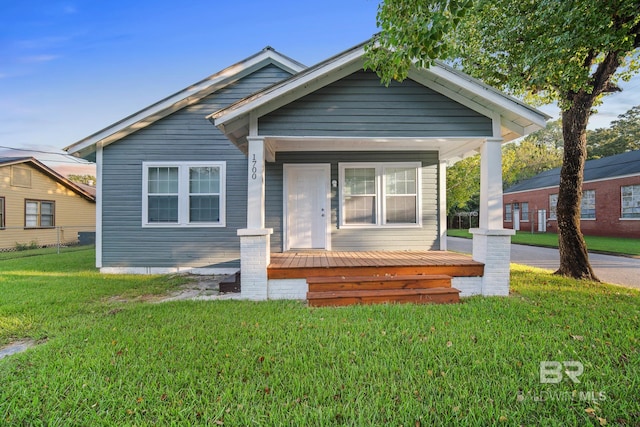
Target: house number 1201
<point x="254" y="169"/>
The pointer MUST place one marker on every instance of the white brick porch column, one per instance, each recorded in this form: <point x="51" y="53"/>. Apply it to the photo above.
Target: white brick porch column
<point x="492" y="243"/>
<point x="255" y="254"/>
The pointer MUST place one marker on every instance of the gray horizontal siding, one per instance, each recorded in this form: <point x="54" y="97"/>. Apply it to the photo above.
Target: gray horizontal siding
<point x="424" y="238"/>
<point x="359" y="106"/>
<point x="183" y="136"/>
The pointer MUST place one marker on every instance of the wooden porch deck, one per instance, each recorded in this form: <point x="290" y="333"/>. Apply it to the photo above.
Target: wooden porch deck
<point x="304" y="264"/>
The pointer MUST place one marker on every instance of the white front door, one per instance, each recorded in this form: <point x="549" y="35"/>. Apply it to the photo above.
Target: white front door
<point x="306" y="206"/>
<point x="516" y="216"/>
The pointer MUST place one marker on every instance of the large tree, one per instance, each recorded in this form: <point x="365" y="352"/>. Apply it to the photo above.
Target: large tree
<point x="569" y="51"/>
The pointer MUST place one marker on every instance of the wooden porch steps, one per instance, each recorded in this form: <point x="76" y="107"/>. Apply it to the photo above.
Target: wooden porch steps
<point x="345" y="290"/>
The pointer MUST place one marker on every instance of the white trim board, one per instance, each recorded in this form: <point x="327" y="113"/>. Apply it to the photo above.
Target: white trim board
<point x="182" y="99"/>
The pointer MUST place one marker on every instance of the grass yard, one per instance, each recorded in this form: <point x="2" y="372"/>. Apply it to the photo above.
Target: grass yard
<point x="613" y="245"/>
<point x="110" y="357"/>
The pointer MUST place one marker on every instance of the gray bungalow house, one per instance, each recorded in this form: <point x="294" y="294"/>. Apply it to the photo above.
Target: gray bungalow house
<point x="269" y="166"/>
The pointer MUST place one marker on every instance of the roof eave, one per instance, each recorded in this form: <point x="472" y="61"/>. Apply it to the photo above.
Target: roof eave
<point x="301" y="84"/>
<point x="181" y="99"/>
<point x="54" y="175"/>
<point x="527" y="119"/>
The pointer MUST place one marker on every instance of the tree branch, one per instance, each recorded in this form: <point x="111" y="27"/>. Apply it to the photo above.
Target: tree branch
<point x="601" y="77"/>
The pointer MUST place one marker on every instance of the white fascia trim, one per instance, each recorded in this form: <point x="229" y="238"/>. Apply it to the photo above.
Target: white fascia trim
<point x="433" y="78"/>
<point x="99" y="181"/>
<point x="184" y="98"/>
<point x="460" y="150"/>
<point x="491" y="95"/>
<point x="300" y="86"/>
<point x="302" y="144"/>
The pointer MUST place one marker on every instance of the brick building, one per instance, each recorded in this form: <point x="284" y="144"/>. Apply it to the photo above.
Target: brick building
<point x="610" y="199"/>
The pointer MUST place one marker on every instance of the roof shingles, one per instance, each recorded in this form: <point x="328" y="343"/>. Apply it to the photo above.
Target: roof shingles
<point x="619" y="165"/>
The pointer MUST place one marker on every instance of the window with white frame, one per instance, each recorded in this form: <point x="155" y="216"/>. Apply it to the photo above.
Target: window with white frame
<point x="524" y="211"/>
<point x="39" y="213"/>
<point x="508" y="215"/>
<point x="630" y="200"/>
<point x="588" y="205"/>
<point x="380" y="194"/>
<point x="183" y="194"/>
<point x="553" y="206"/>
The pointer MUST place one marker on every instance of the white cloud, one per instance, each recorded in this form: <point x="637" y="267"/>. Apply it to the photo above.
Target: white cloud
<point x="69" y="9"/>
<point x="42" y="42"/>
<point x="37" y="59"/>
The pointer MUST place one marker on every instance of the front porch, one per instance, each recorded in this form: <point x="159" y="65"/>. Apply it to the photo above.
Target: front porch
<point x="304" y="264"/>
<point x="329" y="168"/>
<point x="345" y="278"/>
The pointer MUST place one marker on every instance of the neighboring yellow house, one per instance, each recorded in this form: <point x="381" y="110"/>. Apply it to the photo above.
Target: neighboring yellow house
<point x="39" y="207"/>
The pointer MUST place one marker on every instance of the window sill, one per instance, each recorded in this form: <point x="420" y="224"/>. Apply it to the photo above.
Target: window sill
<point x="376" y="227"/>
<point x="173" y="225"/>
<point x="629" y="219"/>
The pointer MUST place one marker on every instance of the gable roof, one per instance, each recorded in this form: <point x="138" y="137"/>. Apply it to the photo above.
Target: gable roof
<point x="183" y="98"/>
<point x="517" y="118"/>
<point x="619" y="165"/>
<point x="86" y="193"/>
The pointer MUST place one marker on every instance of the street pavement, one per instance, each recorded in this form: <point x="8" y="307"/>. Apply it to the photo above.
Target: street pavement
<point x="618" y="270"/>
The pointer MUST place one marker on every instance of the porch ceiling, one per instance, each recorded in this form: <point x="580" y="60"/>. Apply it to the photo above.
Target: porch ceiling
<point x="449" y="149"/>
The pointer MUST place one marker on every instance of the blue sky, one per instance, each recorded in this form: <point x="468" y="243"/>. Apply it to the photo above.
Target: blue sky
<point x="71" y="68"/>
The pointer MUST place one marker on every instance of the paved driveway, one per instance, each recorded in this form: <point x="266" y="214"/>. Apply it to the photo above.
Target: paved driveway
<point x="611" y="269"/>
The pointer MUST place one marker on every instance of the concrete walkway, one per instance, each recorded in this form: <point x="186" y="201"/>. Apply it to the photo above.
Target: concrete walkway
<point x="618" y="270"/>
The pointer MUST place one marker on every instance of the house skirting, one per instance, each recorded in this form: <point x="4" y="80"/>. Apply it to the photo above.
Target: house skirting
<point x="203" y="271"/>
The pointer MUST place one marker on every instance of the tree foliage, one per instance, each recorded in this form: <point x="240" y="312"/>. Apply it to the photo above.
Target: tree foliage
<point x="463" y="184"/>
<point x="82" y="179"/>
<point x="572" y="52"/>
<point x="520" y="161"/>
<point x="623" y="135"/>
<point x="542" y="50"/>
<point x="527" y="159"/>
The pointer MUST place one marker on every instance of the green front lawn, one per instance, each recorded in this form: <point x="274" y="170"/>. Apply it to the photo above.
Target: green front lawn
<point x="110" y="357"/>
<point x="613" y="245"/>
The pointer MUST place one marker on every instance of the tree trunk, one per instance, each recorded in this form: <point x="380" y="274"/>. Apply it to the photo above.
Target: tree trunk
<point x="574" y="259"/>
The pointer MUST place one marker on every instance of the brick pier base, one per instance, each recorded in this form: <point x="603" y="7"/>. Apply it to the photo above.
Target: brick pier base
<point x="493" y="248"/>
